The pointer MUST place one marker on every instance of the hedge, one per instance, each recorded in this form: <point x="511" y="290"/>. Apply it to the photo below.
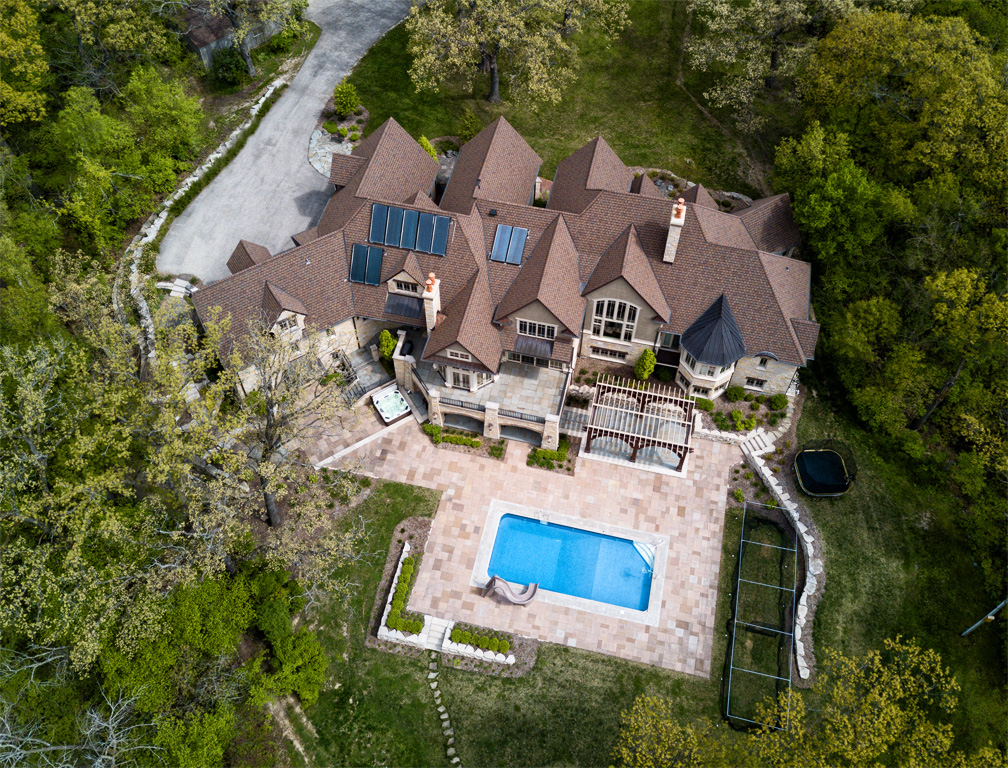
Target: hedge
<point x="437" y="437"/>
<point x="540" y="457"/>
<point x="183" y="200"/>
<point x="497" y="642"/>
<point x="395" y="618"/>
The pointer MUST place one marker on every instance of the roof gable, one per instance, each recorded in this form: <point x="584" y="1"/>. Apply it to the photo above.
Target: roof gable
<point x="549" y="275"/>
<point x="626" y="258"/>
<point x="714" y="337"/>
<point x="399" y="261"/>
<point x="468" y="321"/>
<point x="770" y="223"/>
<point x="245" y="255"/>
<point x="579" y="178"/>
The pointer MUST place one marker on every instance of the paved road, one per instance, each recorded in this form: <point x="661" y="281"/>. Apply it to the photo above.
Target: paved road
<point x="270" y="191"/>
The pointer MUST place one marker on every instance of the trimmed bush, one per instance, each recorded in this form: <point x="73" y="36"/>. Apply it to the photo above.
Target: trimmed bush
<point x="754" y="406"/>
<point x="749" y="397"/>
<point x="739" y="496"/>
<point x="354" y="136"/>
<point x="330" y="127"/>
<point x="721" y="422"/>
<point x="778" y="402"/>
<point x="469" y="126"/>
<point x="704" y="404"/>
<point x="228" y="68"/>
<point x="734" y="393"/>
<point x="396" y="621"/>
<point x="345" y="99"/>
<point x="645" y="365"/>
<point x="664" y="374"/>
<point x="343" y="132"/>
<point x="427" y="147"/>
<point x="760" y="398"/>
<point x="505" y="646"/>
<point x="540" y="457"/>
<point x="497" y="450"/>
<point x="386" y="343"/>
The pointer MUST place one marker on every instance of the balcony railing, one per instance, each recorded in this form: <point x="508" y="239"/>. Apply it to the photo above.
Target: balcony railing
<point x="461" y="404"/>
<point x="522" y="416"/>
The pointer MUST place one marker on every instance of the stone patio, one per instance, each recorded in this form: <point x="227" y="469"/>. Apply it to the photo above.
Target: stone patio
<point x="688" y="511"/>
<point x="523" y="388"/>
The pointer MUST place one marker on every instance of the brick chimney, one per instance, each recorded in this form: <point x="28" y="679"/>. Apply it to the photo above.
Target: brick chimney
<point x="674" y="230"/>
<point x="432" y="300"/>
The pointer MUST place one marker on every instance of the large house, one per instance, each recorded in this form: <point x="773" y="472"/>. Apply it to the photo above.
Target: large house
<point x="495" y="299"/>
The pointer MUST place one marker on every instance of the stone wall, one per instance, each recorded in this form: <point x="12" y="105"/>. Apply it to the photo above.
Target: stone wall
<point x="778" y="375"/>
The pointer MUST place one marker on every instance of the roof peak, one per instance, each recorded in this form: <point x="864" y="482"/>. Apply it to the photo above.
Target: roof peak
<point x="714" y="337"/>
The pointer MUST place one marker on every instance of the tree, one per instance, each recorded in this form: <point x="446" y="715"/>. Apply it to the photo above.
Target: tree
<point x="650" y="737"/>
<point x="645" y="365"/>
<point x="894" y="84"/>
<point x="247" y="15"/>
<point x="167" y="123"/>
<point x="23" y="66"/>
<point x="526" y="38"/>
<point x="386" y="341"/>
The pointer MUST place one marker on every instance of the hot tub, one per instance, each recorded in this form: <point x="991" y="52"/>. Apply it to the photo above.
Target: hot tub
<point x="390" y="403"/>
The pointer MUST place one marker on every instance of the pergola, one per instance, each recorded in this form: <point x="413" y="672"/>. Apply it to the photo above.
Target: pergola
<point x="641" y="415"/>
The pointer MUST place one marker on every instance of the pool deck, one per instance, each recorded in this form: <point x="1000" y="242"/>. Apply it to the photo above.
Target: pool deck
<point x="689" y="511"/>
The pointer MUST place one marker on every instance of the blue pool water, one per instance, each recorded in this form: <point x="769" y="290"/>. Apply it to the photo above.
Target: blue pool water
<point x="571" y="561"/>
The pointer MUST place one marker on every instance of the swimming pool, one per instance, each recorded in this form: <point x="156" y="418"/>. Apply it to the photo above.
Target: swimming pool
<point x="572" y="561"/>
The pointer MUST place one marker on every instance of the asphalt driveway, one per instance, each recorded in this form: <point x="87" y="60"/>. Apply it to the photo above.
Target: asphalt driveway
<point x="270" y="190"/>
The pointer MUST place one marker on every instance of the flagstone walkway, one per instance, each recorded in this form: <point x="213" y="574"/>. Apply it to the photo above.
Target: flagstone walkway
<point x="689" y="511"/>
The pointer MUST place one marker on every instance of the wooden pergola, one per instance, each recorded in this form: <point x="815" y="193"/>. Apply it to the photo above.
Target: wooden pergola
<point x="642" y="415"/>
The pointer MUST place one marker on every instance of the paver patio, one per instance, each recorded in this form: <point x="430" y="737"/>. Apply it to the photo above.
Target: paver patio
<point x="689" y="511"/>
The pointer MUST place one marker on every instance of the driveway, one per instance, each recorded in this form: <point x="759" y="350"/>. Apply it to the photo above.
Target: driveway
<point x="270" y="191"/>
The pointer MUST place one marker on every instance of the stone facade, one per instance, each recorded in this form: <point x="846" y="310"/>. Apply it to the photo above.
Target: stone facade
<point x="777" y="375"/>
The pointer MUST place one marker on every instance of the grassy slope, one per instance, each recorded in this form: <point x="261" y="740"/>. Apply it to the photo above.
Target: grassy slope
<point x="381" y="712"/>
<point x="896" y="563"/>
<point x="626" y="91"/>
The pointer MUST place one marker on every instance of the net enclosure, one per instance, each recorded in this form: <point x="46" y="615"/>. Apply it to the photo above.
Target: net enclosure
<point x="825" y="468"/>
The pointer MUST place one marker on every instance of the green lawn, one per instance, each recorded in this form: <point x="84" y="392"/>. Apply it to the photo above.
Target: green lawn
<point x="897" y="563"/>
<point x="626" y="91"/>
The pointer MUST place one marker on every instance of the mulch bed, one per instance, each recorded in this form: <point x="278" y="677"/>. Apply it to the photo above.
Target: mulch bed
<point x="415" y="531"/>
<point x="722" y="405"/>
<point x="485" y="443"/>
<point x="567" y="467"/>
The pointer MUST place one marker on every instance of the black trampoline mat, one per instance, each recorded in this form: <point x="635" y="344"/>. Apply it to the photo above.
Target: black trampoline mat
<point x="821" y="472"/>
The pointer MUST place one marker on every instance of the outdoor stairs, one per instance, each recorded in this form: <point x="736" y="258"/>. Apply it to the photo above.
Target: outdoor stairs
<point x="434" y="631"/>
<point x="758" y="443"/>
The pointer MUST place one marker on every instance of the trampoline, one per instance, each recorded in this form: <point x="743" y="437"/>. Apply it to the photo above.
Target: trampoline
<point x="825" y="468"/>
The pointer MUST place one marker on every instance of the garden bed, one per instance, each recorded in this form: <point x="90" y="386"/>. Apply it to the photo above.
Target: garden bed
<point x="464" y="441"/>
<point x="745" y="413"/>
<point x="524" y="649"/>
<point x="562" y="460"/>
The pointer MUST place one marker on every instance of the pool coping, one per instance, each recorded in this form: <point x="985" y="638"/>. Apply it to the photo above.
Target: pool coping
<point x="658" y="543"/>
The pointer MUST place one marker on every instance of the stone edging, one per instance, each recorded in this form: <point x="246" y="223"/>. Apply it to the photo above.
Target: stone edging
<point x="149" y="231"/>
<point x="394" y="635"/>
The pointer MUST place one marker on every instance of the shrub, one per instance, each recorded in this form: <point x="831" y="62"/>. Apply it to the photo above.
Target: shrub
<point x="772" y="419"/>
<point x="749" y="397"/>
<point x="345" y="99"/>
<point x="748" y="424"/>
<point x="760" y="398"/>
<point x="645" y="365"/>
<point x="734" y="393"/>
<point x="754" y="406"/>
<point x="434" y="431"/>
<point x="494" y="644"/>
<point x="228" y="67"/>
<point x="386" y="343"/>
<point x="778" y="402"/>
<point x="396" y="620"/>
<point x="330" y="127"/>
<point x="282" y="41"/>
<point x="721" y="422"/>
<point x="342" y="131"/>
<point x="497" y="451"/>
<point x="469" y="126"/>
<point x="354" y="136"/>
<point x="540" y="457"/>
<point x="748" y="475"/>
<point x="704" y="404"/>
<point x="427" y="147"/>
<point x="739" y="496"/>
<point x="664" y="374"/>
<point x="505" y="646"/>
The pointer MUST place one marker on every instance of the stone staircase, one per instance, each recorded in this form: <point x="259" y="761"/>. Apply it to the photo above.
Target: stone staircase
<point x="434" y="631"/>
<point x="758" y="443"/>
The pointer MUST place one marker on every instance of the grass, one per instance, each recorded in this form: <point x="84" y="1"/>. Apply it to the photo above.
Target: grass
<point x="647" y="118"/>
<point x="378" y="710"/>
<point x="898" y="563"/>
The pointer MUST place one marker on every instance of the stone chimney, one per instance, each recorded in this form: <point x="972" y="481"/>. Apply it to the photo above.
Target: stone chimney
<point x="674" y="230"/>
<point x="431" y="300"/>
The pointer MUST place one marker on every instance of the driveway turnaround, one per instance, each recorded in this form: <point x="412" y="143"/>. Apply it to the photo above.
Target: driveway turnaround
<point x="270" y="190"/>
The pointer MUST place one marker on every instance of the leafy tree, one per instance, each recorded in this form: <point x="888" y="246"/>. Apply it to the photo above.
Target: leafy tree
<point x="247" y="15"/>
<point x="650" y="737"/>
<point x="24" y="305"/>
<point x="527" y="39"/>
<point x="168" y="123"/>
<point x="345" y="98"/>
<point x="386" y="341"/>
<point x="894" y="84"/>
<point x="645" y="365"/>
<point x="23" y="66"/>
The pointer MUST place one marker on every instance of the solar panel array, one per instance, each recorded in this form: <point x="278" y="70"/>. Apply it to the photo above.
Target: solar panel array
<point x="509" y="244"/>
<point x="403" y="228"/>
<point x="366" y="264"/>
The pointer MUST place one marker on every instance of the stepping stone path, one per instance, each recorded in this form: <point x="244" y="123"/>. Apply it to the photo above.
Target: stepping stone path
<point x="446" y="727"/>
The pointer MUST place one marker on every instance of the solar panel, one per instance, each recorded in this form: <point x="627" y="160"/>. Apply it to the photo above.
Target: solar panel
<point x="425" y="232"/>
<point x="440" y="235"/>
<point x="379" y="213"/>
<point x="374" y="264"/>
<point x="409" y="228"/>
<point x="517" y="245"/>
<point x="501" y="240"/>
<point x="358" y="263"/>
<point x="394" y="229"/>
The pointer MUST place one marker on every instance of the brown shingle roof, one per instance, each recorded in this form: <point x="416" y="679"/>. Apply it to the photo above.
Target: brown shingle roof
<point x="723" y="229"/>
<point x="579" y="178"/>
<point x="549" y="275"/>
<point x="496" y="164"/>
<point x="642" y="185"/>
<point x="402" y="261"/>
<point x="468" y="321"/>
<point x="697" y="194"/>
<point x="808" y="334"/>
<point x="344" y="168"/>
<point x="626" y="258"/>
<point x="245" y="255"/>
<point x="276" y="300"/>
<point x="770" y="224"/>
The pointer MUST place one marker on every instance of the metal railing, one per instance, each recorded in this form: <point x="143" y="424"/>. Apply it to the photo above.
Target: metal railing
<point x="522" y="416"/>
<point x="460" y="404"/>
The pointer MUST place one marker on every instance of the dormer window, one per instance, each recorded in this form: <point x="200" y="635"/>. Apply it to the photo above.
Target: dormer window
<point x="456" y="355"/>
<point x="538" y="330"/>
<point x="406" y="287"/>
<point x="287" y="323"/>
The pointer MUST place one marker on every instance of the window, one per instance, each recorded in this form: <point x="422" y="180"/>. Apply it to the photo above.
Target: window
<point x="689" y="360"/>
<point x="456" y="355"/>
<point x="539" y="330"/>
<point x="683" y="381"/>
<point x="556" y="365"/>
<point x="406" y="287"/>
<point x="707" y="370"/>
<point x="460" y="379"/>
<point x="287" y="323"/>
<point x="702" y="391"/>
<point x="612" y="354"/>
<point x="763" y="362"/>
<point x="613" y="319"/>
<point x="668" y="340"/>
<point x="755" y="383"/>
